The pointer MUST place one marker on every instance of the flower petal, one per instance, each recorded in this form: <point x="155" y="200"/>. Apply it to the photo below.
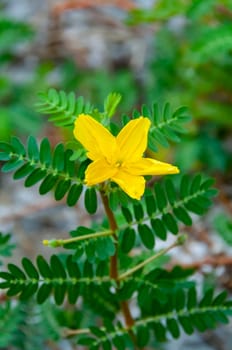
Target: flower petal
<point x="134" y="186"/>
<point x="132" y="139"/>
<point x="148" y="166"/>
<point x="99" y="171"/>
<point x="97" y="140"/>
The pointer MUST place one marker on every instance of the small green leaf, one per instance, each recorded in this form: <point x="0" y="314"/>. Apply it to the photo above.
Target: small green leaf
<point x="58" y="158"/>
<point x="73" y="291"/>
<point x="186" y="324"/>
<point x="207" y="298"/>
<point x="48" y="183"/>
<point x="113" y="200"/>
<point x="182" y="215"/>
<point x="159" y="228"/>
<point x="33" y="150"/>
<point x="45" y="153"/>
<point x="160" y="332"/>
<point x="6" y="147"/>
<point x="25" y="170"/>
<point x="28" y="291"/>
<point x="91" y="200"/>
<point x="128" y="239"/>
<point x="170" y="223"/>
<point x="14" y="289"/>
<point x="184" y="186"/>
<point x="59" y="293"/>
<point x="34" y="177"/>
<point x="138" y="211"/>
<point x="62" y="188"/>
<point x="170" y="190"/>
<point x="18" y="146"/>
<point x="150" y="203"/>
<point x="111" y="103"/>
<point x="142" y="336"/>
<point x="12" y="165"/>
<point x="44" y="293"/>
<point x="57" y="267"/>
<point x="16" y="272"/>
<point x="127" y="214"/>
<point x="4" y="156"/>
<point x="146" y="236"/>
<point x="74" y="194"/>
<point x="72" y="267"/>
<point x="192" y="299"/>
<point x="160" y="196"/>
<point x="43" y="267"/>
<point x="119" y="342"/>
<point x="173" y="328"/>
<point x="30" y="269"/>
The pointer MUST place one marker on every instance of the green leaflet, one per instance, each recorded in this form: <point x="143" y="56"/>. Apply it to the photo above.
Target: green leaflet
<point x="63" y="108"/>
<point x="38" y="163"/>
<point x="164" y="208"/>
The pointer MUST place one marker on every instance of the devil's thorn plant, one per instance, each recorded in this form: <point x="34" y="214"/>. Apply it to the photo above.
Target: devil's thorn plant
<point x="99" y="272"/>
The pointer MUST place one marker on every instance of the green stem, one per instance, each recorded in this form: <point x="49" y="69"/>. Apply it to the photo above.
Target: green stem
<point x="180" y="240"/>
<point x="61" y="242"/>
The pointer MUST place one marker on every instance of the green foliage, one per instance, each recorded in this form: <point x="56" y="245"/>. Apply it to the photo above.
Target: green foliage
<point x="167" y="301"/>
<point x="27" y="326"/>
<point x="63" y="108"/>
<point x="111" y="103"/>
<point x="211" y="43"/>
<point x="36" y="163"/>
<point x="5" y="245"/>
<point x="182" y="312"/>
<point x="95" y="248"/>
<point x="15" y="111"/>
<point x="223" y="225"/>
<point x="200" y="8"/>
<point x="166" y="125"/>
<point x="161" y="10"/>
<point x="57" y="278"/>
<point x="101" y="276"/>
<point x="11" y="32"/>
<point x="165" y="208"/>
<point x="10" y="318"/>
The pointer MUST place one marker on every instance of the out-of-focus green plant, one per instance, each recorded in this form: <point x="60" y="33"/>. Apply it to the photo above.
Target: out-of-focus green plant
<point x="192" y="61"/>
<point x="191" y="65"/>
<point x="101" y="279"/>
<point x="14" y="113"/>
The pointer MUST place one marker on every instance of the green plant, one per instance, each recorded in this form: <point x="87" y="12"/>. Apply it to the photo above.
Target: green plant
<point x="97" y="276"/>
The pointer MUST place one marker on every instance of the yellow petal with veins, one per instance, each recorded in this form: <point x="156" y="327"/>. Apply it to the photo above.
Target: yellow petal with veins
<point x="95" y="138"/>
<point x="148" y="166"/>
<point x="133" y="185"/>
<point x="132" y="139"/>
<point x="99" y="171"/>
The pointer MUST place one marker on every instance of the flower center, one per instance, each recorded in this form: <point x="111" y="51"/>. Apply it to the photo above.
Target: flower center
<point x="118" y="163"/>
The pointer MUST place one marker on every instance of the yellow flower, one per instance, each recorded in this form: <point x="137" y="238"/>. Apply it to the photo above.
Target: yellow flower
<point x="119" y="158"/>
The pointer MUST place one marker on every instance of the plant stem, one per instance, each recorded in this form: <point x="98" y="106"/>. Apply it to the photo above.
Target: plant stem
<point x="113" y="227"/>
<point x="114" y="259"/>
<point x="61" y="242"/>
<point x="70" y="332"/>
<point x="149" y="260"/>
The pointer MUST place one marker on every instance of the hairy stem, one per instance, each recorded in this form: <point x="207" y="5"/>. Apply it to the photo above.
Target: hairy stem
<point x="61" y="242"/>
<point x="180" y="240"/>
<point x="114" y="259"/>
<point x="113" y="227"/>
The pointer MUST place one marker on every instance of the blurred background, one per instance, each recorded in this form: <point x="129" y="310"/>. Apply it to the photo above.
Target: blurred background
<point x="176" y="51"/>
